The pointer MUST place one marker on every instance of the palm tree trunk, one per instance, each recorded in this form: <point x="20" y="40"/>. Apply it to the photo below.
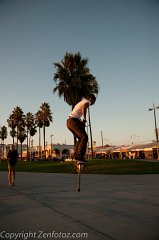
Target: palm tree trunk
<point x="27" y="146"/>
<point x="44" y="143"/>
<point x="1" y="152"/>
<point x="3" y="149"/>
<point x="21" y="151"/>
<point x="39" y="143"/>
<point x="17" y="138"/>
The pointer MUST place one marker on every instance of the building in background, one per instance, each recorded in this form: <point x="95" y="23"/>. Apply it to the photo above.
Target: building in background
<point x="62" y="151"/>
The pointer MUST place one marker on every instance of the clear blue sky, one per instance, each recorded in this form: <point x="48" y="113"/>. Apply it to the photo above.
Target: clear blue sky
<point x="120" y="39"/>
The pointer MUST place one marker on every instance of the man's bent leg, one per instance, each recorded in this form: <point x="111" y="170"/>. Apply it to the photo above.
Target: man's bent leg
<point x="82" y="145"/>
<point x="77" y="128"/>
<point x="71" y="125"/>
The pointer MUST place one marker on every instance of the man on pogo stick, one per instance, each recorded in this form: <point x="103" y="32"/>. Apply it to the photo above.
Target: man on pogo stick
<point x="76" y="124"/>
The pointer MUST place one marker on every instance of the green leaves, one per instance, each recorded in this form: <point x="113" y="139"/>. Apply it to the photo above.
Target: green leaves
<point x="73" y="78"/>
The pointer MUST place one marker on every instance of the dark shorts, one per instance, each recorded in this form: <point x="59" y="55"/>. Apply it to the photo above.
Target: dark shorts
<point x="12" y="163"/>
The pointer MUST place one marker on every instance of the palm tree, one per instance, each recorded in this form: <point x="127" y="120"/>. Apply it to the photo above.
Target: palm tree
<point x="73" y="79"/>
<point x="3" y="136"/>
<point x="39" y="123"/>
<point x="18" y="120"/>
<point x="46" y="118"/>
<point x="21" y="136"/>
<point x="32" y="132"/>
<point x="29" y="124"/>
<point x="12" y="125"/>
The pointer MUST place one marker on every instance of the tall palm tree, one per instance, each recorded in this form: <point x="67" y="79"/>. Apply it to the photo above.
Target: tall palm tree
<point x="21" y="137"/>
<point x="18" y="119"/>
<point x="73" y="79"/>
<point x="29" y="124"/>
<point x="46" y="117"/>
<point x="39" y="123"/>
<point x="3" y="136"/>
<point x="11" y="124"/>
<point x="32" y="133"/>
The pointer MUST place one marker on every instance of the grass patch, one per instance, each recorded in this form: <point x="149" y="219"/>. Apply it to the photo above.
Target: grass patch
<point x="116" y="166"/>
<point x="98" y="166"/>
<point x="39" y="166"/>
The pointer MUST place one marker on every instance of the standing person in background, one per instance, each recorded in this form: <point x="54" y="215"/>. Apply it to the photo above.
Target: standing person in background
<point x="76" y="124"/>
<point x="12" y="157"/>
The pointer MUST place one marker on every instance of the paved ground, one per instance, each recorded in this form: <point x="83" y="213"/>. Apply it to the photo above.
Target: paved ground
<point x="47" y="206"/>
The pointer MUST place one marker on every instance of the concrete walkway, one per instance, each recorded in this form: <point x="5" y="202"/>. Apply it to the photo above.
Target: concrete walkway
<point x="47" y="206"/>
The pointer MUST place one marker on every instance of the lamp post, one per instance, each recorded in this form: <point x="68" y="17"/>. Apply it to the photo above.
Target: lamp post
<point x="102" y="138"/>
<point x="156" y="131"/>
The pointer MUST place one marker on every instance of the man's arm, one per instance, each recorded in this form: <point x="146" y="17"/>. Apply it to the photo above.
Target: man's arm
<point x="84" y="111"/>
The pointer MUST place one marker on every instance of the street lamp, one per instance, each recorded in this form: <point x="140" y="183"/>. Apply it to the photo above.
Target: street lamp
<point x="102" y="138"/>
<point x="156" y="131"/>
